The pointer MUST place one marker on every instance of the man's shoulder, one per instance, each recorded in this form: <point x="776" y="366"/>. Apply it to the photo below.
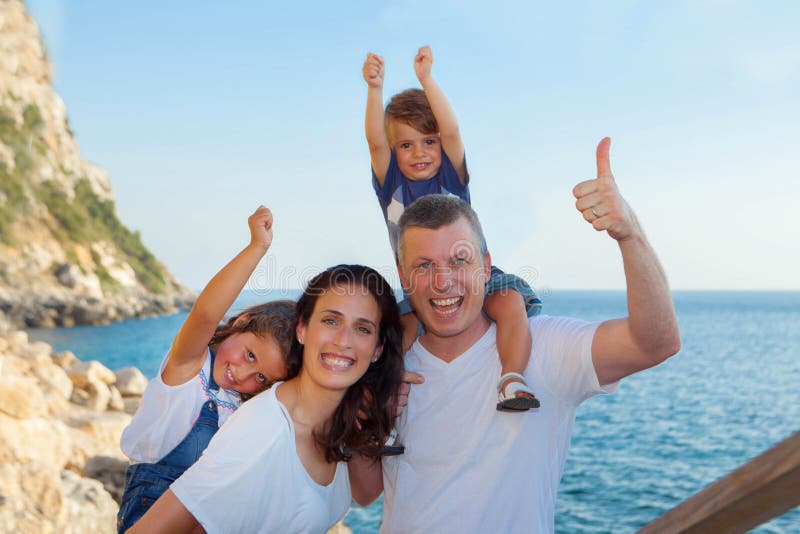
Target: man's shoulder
<point x="555" y="323"/>
<point x="552" y="335"/>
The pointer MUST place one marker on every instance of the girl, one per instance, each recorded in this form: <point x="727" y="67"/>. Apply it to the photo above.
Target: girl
<point x="207" y="372"/>
<point x="279" y="465"/>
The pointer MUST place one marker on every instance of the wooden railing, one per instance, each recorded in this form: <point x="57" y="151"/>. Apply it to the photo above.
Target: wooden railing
<point x="765" y="487"/>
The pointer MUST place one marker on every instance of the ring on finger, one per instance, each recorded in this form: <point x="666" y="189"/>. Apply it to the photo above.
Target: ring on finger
<point x="596" y="215"/>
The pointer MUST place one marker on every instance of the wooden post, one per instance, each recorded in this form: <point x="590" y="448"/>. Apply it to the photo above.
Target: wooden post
<point x="765" y="487"/>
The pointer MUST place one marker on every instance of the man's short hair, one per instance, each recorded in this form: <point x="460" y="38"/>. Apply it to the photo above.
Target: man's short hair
<point x="433" y="212"/>
<point x="410" y="107"/>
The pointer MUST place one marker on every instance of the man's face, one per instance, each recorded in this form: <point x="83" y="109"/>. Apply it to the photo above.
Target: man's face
<point x="445" y="274"/>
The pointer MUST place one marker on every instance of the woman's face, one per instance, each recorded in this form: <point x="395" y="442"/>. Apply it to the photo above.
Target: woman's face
<point x="341" y="337"/>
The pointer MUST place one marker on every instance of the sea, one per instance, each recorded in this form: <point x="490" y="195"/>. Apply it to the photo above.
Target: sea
<point x="732" y="392"/>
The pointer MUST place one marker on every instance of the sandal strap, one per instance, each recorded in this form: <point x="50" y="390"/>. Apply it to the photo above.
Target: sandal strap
<point x="505" y="377"/>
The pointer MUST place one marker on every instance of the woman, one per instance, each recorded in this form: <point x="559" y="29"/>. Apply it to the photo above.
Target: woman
<point x="279" y="463"/>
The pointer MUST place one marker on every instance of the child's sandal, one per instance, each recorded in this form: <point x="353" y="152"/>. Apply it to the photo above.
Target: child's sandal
<point x="507" y="394"/>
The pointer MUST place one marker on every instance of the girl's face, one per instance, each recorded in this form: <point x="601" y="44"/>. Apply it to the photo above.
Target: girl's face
<point x="248" y="363"/>
<point x="340" y="339"/>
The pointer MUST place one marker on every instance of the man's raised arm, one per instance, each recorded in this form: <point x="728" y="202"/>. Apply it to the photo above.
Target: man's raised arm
<point x="649" y="334"/>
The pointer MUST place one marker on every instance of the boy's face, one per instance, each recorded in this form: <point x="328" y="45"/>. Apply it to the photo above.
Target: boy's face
<point x="419" y="155"/>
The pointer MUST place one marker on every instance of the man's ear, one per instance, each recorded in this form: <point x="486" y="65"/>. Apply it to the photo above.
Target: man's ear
<point x="403" y="280"/>
<point x="487" y="265"/>
<point x="300" y="332"/>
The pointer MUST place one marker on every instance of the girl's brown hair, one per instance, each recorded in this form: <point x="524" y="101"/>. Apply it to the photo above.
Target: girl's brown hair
<point x="275" y="319"/>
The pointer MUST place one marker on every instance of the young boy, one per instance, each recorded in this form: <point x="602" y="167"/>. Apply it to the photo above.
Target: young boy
<point x="416" y="150"/>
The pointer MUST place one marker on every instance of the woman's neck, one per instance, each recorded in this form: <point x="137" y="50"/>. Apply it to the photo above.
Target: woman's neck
<point x="309" y="404"/>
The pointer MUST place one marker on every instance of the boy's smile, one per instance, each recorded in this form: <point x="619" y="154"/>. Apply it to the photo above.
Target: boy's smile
<point x="419" y="155"/>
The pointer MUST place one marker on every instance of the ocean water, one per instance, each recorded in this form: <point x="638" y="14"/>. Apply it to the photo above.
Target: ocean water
<point x="732" y="392"/>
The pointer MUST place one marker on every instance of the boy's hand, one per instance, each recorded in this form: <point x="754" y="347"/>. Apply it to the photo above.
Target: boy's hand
<point x="423" y="63"/>
<point x="373" y="70"/>
<point x="260" y="223"/>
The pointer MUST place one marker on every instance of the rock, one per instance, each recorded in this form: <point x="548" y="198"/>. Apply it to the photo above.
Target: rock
<point x="15" y="366"/>
<point x="37" y="351"/>
<point x="131" y="382"/>
<point x="95" y="434"/>
<point x="84" y="373"/>
<point x="115" y="403"/>
<point x="3" y="344"/>
<point x="41" y="484"/>
<point x="65" y="359"/>
<point x="54" y="378"/>
<point x="43" y="440"/>
<point x="79" y="397"/>
<point x="110" y="471"/>
<point x="17" y="339"/>
<point x="21" y="397"/>
<point x="87" y="507"/>
<point x="339" y="528"/>
<point x="31" y="497"/>
<point x="99" y="396"/>
<point x="131" y="404"/>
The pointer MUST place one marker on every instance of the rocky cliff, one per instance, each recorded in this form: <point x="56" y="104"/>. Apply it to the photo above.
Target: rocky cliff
<point x="65" y="258"/>
<point x="61" y="468"/>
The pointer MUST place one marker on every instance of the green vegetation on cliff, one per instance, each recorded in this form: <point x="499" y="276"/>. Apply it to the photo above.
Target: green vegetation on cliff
<point x="82" y="219"/>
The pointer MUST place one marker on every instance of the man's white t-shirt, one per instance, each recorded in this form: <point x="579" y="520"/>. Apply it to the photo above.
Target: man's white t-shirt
<point x="167" y="413"/>
<point x="470" y="468"/>
<point x="250" y="478"/>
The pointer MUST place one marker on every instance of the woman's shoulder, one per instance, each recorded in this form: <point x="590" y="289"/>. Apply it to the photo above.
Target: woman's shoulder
<point x="263" y="409"/>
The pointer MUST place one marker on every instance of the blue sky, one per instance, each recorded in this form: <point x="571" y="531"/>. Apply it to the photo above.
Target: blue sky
<point x="200" y="111"/>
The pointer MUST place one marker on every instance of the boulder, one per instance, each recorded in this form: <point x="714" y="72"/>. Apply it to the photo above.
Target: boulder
<point x="131" y="404"/>
<point x="65" y="359"/>
<point x="87" y="507"/>
<point x="79" y="397"/>
<point x="54" y="379"/>
<point x="131" y="382"/>
<point x="115" y="403"/>
<point x="15" y="366"/>
<point x="17" y="339"/>
<point x="99" y="396"/>
<point x="38" y="351"/>
<point x="21" y="397"/>
<point x="42" y="440"/>
<point x="95" y="434"/>
<point x="31" y="499"/>
<point x="84" y="373"/>
<point x="110" y="471"/>
<point x="339" y="528"/>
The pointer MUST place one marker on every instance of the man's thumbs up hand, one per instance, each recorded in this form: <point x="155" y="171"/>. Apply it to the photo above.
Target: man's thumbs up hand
<point x="601" y="204"/>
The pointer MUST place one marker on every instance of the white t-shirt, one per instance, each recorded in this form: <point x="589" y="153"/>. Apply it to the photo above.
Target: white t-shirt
<point x="470" y="468"/>
<point x="250" y="478"/>
<point x="167" y="413"/>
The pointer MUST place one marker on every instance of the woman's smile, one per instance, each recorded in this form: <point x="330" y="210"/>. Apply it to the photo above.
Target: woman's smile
<point x="336" y="362"/>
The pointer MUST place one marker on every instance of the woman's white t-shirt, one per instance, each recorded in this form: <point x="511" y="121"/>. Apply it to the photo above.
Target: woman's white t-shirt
<point x="250" y="478"/>
<point x="167" y="413"/>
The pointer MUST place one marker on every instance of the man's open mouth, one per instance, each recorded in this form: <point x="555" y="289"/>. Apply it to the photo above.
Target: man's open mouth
<point x="446" y="306"/>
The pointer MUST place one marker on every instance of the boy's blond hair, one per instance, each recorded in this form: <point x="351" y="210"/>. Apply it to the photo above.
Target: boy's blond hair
<point x="410" y="107"/>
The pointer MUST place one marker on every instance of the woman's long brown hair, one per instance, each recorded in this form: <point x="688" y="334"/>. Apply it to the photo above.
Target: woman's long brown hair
<point x="365" y="416"/>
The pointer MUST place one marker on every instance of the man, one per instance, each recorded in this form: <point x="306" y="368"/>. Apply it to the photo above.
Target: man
<point x="466" y="467"/>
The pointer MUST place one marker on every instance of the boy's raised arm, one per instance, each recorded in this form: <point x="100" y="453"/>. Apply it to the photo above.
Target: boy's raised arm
<point x="445" y="117"/>
<point x="379" y="149"/>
